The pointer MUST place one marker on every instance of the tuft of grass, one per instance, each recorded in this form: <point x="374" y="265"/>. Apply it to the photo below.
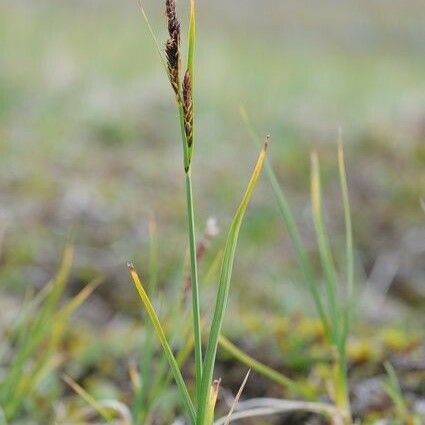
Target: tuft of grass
<point x="333" y="308"/>
<point x="338" y="317"/>
<point x="38" y="334"/>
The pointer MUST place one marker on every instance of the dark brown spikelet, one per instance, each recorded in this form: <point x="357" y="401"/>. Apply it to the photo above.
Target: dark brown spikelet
<point x="172" y="54"/>
<point x="173" y="45"/>
<point x="188" y="108"/>
<point x="173" y="23"/>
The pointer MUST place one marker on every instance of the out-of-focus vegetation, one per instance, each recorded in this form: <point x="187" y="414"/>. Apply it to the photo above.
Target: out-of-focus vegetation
<point x="90" y="153"/>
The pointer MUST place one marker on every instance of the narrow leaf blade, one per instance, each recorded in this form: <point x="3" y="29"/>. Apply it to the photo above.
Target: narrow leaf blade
<point x="224" y="287"/>
<point x="184" y="394"/>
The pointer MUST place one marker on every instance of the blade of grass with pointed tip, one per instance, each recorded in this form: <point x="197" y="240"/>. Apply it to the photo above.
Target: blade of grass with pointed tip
<point x="184" y="394"/>
<point x="324" y="250"/>
<point x="263" y="369"/>
<point x="348" y="239"/>
<point x="145" y="363"/>
<point x="392" y="387"/>
<point x="223" y="289"/>
<point x="191" y="37"/>
<point x="291" y="226"/>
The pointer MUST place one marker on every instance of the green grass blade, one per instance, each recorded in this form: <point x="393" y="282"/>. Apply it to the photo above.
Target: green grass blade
<point x="184" y="394"/>
<point x="196" y="313"/>
<point x="263" y="369"/>
<point x="324" y="249"/>
<point x="393" y="389"/>
<point x="145" y="363"/>
<point x="92" y="402"/>
<point x="288" y="219"/>
<point x="223" y="290"/>
<point x="164" y="379"/>
<point x="349" y="252"/>
<point x="192" y="38"/>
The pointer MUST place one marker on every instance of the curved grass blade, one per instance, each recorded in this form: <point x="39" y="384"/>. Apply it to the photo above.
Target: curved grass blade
<point x="184" y="394"/>
<point x="223" y="289"/>
<point x="291" y="226"/>
<point x="92" y="402"/>
<point x="392" y="387"/>
<point x="263" y="369"/>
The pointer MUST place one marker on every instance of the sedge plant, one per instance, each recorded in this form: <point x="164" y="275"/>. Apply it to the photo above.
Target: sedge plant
<point x="199" y="407"/>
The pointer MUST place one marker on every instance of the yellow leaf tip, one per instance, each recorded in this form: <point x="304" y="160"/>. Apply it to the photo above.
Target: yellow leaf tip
<point x="130" y="266"/>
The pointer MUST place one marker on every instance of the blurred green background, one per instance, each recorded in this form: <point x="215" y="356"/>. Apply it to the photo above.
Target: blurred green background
<point x="90" y="150"/>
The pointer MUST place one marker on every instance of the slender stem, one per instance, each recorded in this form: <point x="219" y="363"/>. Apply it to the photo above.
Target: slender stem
<point x="194" y="281"/>
<point x="341" y="385"/>
<point x="193" y="260"/>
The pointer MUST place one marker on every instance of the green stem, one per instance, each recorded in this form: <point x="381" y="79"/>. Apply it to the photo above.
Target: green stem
<point x="341" y="386"/>
<point x="192" y="249"/>
<point x="194" y="281"/>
